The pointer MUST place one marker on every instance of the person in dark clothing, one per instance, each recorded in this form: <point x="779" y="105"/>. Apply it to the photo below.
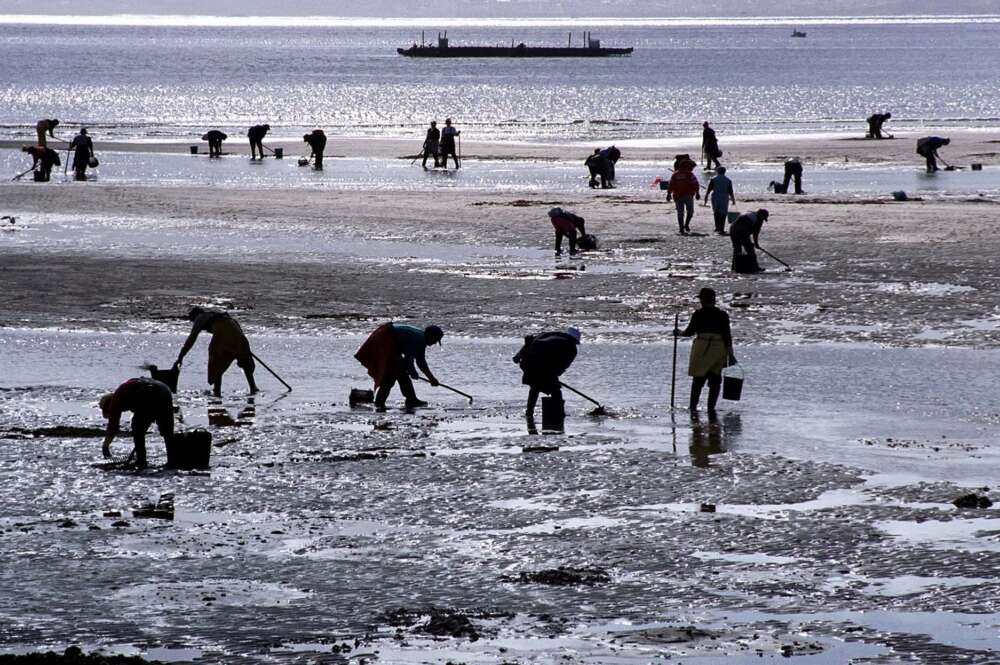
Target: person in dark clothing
<point x="45" y="128"/>
<point x="228" y="344"/>
<point x="317" y="142"/>
<point x="927" y="147"/>
<point x="710" y="146"/>
<point x="543" y="359"/>
<point x="83" y="151"/>
<point x="745" y="233"/>
<point x="712" y="350"/>
<point x="568" y="225"/>
<point x="793" y="171"/>
<point x="875" y="123"/>
<point x="392" y="353"/>
<point x="448" y="136"/>
<point x="42" y="161"/>
<point x="599" y="168"/>
<point x="215" y="139"/>
<point x="432" y="144"/>
<point x="150" y="402"/>
<point x="612" y="155"/>
<point x="256" y="135"/>
<point x="720" y="192"/>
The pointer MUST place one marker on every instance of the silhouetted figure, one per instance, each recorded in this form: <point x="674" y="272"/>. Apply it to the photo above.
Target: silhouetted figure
<point x="45" y="129"/>
<point x="256" y="136"/>
<point x="448" y="137"/>
<point x="566" y="225"/>
<point x="875" y="123"/>
<point x="927" y="147"/>
<point x="432" y="144"/>
<point x="317" y="143"/>
<point x="793" y="171"/>
<point x="612" y="155"/>
<point x="42" y="161"/>
<point x="745" y="235"/>
<point x="228" y="344"/>
<point x="392" y="353"/>
<point x="720" y="192"/>
<point x="150" y="402"/>
<point x="215" y="139"/>
<point x="83" y="151"/>
<point x="684" y="188"/>
<point x="712" y="350"/>
<point x="600" y="169"/>
<point x="543" y="359"/>
<point x="710" y="146"/>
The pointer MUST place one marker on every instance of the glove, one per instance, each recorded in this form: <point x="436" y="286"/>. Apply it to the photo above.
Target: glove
<point x="106" y="450"/>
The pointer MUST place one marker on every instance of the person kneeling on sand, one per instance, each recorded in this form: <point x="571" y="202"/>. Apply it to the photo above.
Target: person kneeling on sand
<point x="711" y="352"/>
<point x="543" y="359"/>
<point x="745" y="234"/>
<point x="228" y="344"/>
<point x="391" y="355"/>
<point x="566" y="224"/>
<point x="150" y="402"/>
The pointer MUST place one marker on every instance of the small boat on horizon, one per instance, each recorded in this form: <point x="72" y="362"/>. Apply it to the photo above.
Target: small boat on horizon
<point x="798" y="33"/>
<point x="591" y="48"/>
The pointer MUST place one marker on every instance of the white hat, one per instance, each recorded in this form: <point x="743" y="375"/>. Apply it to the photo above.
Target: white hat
<point x="573" y="332"/>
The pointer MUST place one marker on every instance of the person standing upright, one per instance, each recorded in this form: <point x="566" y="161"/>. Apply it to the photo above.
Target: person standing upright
<point x="711" y="352"/>
<point x="432" y="144"/>
<point x="83" y="152"/>
<point x="720" y="192"/>
<point x="448" y="136"/>
<point x="710" y="147"/>
<point x="684" y="188"/>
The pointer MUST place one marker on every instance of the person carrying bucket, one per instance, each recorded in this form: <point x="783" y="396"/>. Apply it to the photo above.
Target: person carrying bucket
<point x="317" y="143"/>
<point x="150" y="402"/>
<point x="83" y="151"/>
<point x="712" y="350"/>
<point x="392" y="353"/>
<point x="256" y="136"/>
<point x="228" y="344"/>
<point x="543" y="359"/>
<point x="720" y="193"/>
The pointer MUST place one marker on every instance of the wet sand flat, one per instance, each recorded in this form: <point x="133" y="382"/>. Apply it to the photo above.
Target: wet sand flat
<point x="828" y="530"/>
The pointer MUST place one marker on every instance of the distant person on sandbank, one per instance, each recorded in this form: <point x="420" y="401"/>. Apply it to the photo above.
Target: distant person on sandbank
<point x="83" y="152"/>
<point x="720" y="193"/>
<point x="432" y="144"/>
<point x="215" y="139"/>
<point x="256" y="135"/>
<point x="745" y="235"/>
<point x="317" y="143"/>
<point x="927" y="148"/>
<point x="875" y="123"/>
<point x="44" y="129"/>
<point x="42" y="161"/>
<point x="684" y="188"/>
<point x="793" y="171"/>
<point x="710" y="147"/>
<point x="448" y="137"/>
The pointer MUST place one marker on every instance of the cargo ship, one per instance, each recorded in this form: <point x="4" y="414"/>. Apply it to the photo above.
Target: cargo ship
<point x="591" y="48"/>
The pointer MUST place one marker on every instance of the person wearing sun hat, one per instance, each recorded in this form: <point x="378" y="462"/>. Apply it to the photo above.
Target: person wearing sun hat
<point x="712" y="350"/>
<point x="543" y="359"/>
<point x="392" y="354"/>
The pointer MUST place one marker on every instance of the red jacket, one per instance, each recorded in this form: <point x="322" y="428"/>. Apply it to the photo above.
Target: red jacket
<point x="683" y="183"/>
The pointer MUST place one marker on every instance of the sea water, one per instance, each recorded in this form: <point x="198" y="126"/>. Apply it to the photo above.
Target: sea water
<point x="144" y="78"/>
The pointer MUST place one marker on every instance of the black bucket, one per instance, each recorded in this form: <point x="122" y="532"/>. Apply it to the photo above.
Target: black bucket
<point x="39" y="176"/>
<point x="553" y="414"/>
<point x="167" y="376"/>
<point x="194" y="150"/>
<point x="189" y="450"/>
<point x="359" y="396"/>
<point x="279" y="153"/>
<point x="732" y="383"/>
<point x="977" y="167"/>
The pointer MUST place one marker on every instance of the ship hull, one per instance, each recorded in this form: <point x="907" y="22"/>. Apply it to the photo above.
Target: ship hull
<point x="508" y="52"/>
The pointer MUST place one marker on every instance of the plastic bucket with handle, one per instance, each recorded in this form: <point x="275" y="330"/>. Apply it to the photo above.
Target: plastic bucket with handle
<point x="732" y="383"/>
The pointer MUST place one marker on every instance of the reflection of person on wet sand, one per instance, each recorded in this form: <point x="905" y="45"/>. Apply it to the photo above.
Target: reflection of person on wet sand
<point x="218" y="416"/>
<point x="391" y="355"/>
<point x="543" y="359"/>
<point x="228" y="344"/>
<point x="712" y="350"/>
<point x="150" y="401"/>
<point x="712" y="437"/>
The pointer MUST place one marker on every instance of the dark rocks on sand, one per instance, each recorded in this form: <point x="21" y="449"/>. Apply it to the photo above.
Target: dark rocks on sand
<point x="707" y="508"/>
<point x="564" y="576"/>
<point x="436" y="621"/>
<point x="163" y="509"/>
<point x="72" y="656"/>
<point x="972" y="501"/>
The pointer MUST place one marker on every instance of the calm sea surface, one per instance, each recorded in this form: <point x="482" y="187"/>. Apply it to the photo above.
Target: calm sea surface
<point x="155" y="82"/>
